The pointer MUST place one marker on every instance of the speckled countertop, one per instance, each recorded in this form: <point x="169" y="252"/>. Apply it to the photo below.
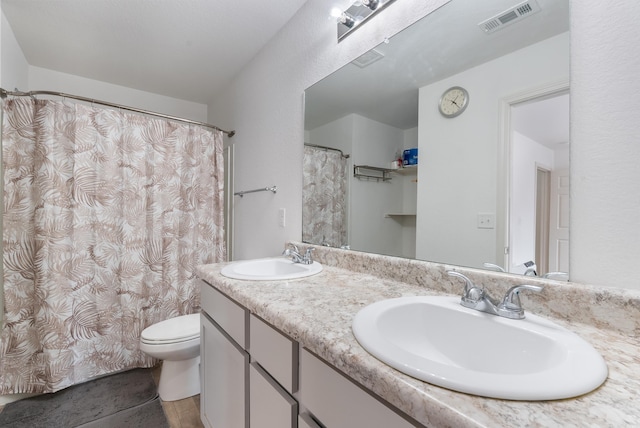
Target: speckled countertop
<point x="317" y="312"/>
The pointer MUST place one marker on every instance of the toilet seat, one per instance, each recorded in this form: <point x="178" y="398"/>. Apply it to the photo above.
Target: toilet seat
<point x="173" y="330"/>
<point x="169" y="342"/>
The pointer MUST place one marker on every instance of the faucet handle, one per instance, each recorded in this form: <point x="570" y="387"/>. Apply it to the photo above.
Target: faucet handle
<point x="468" y="284"/>
<point x="511" y="306"/>
<point x="472" y="293"/>
<point x="288" y="251"/>
<point x="307" y="255"/>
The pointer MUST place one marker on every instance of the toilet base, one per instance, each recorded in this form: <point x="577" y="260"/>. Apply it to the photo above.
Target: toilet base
<point x="179" y="379"/>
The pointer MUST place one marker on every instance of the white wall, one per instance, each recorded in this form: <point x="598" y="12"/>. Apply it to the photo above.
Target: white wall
<point x="265" y="105"/>
<point x="561" y="157"/>
<point x="13" y="64"/>
<point x="605" y="146"/>
<point x="50" y="80"/>
<point x="337" y="135"/>
<point x="457" y="179"/>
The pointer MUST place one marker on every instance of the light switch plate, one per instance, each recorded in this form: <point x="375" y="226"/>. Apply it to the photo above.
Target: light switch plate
<point x="486" y="221"/>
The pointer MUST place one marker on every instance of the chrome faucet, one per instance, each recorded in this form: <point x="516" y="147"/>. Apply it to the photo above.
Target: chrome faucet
<point x="296" y="257"/>
<point x="477" y="298"/>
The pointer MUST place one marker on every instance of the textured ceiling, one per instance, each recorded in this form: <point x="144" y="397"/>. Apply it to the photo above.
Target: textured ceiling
<point x="186" y="49"/>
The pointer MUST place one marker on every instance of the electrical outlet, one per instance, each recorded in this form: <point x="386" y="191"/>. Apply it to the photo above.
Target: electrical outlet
<point x="486" y="221"/>
<point x="282" y="213"/>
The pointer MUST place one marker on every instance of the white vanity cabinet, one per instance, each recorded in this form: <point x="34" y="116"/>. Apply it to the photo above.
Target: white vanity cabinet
<point x="244" y="385"/>
<point x="254" y="375"/>
<point x="224" y="363"/>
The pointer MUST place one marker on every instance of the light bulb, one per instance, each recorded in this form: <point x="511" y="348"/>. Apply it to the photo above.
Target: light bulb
<point x="336" y="13"/>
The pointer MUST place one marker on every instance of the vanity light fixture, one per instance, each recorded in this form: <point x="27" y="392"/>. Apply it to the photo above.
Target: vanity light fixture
<point x="357" y="14"/>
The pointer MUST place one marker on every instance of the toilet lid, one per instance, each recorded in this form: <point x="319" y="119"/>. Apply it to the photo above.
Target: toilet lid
<point x="173" y="330"/>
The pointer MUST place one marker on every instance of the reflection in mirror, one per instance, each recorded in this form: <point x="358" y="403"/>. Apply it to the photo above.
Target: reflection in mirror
<point x="539" y="191"/>
<point x="454" y="205"/>
<point x="325" y="175"/>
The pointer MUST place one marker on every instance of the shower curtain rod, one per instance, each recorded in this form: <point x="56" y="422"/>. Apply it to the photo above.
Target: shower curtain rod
<point x="4" y="93"/>
<point x="328" y="148"/>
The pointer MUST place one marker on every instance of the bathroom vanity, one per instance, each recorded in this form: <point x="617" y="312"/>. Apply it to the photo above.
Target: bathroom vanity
<point x="282" y="353"/>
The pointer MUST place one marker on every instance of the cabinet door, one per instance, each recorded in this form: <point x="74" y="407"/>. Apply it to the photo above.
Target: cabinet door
<point x="223" y="378"/>
<point x="270" y="405"/>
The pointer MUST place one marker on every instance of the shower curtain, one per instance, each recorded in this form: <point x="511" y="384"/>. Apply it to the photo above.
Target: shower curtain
<point x="324" y="200"/>
<point x="106" y="215"/>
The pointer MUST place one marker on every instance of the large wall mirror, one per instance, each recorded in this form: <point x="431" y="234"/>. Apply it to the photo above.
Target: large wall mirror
<point x="490" y="188"/>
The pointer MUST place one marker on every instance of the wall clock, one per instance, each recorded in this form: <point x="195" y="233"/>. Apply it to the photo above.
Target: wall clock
<point x="453" y="102"/>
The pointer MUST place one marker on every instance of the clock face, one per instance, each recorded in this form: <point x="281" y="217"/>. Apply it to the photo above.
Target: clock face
<point x="453" y="101"/>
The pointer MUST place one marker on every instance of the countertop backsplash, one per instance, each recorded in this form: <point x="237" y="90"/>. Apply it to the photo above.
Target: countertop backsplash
<point x="608" y="308"/>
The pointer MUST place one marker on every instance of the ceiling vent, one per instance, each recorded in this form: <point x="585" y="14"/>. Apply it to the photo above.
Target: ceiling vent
<point x="367" y="58"/>
<point x="509" y="16"/>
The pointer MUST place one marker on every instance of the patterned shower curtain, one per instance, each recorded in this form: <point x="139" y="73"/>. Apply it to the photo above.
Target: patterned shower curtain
<point x="324" y="200"/>
<point x="106" y="215"/>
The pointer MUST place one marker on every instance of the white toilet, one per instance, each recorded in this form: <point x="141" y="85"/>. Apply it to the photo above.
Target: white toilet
<point x="176" y="342"/>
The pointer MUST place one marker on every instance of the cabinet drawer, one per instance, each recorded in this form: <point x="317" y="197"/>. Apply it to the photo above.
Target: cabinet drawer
<point x="337" y="402"/>
<point x="275" y="352"/>
<point x="270" y="405"/>
<point x="225" y="312"/>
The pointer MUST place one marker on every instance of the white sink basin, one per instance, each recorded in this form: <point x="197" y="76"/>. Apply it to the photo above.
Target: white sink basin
<point x="436" y="340"/>
<point x="270" y="269"/>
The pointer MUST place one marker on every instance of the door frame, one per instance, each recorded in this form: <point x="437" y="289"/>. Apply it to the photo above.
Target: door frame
<point x="504" y="158"/>
<point x="543" y="203"/>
